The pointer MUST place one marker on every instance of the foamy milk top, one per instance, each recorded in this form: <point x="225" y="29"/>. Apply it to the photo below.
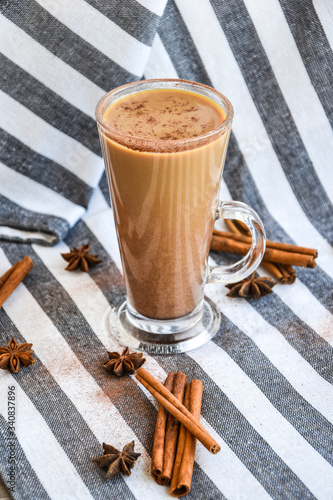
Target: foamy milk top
<point x="164" y="114"/>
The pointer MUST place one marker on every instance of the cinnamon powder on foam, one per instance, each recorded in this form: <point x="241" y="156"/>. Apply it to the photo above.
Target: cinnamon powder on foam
<point x="164" y="114"/>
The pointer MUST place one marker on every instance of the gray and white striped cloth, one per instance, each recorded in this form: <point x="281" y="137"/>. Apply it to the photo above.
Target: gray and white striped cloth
<point x="268" y="395"/>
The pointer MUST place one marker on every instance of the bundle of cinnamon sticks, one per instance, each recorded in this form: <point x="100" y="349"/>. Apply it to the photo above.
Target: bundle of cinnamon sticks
<point x="13" y="277"/>
<point x="177" y="429"/>
<point x="278" y="258"/>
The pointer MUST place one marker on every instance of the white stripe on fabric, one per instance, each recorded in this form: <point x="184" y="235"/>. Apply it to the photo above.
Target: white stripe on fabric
<point x="159" y="64"/>
<point x="277" y="349"/>
<point x="33" y="196"/>
<point x="100" y="32"/>
<point x="292" y="448"/>
<point x="295" y="84"/>
<point x="48" y="69"/>
<point x="224" y="195"/>
<point x="47" y="458"/>
<point x="100" y="414"/>
<point x="251" y="134"/>
<point x="155" y="6"/>
<point x="49" y="141"/>
<point x="12" y="232"/>
<point x="325" y="13"/>
<point x="220" y="469"/>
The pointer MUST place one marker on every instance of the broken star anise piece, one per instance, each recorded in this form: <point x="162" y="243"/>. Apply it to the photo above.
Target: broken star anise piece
<point x="82" y="258"/>
<point x="13" y="356"/>
<point x="253" y="286"/>
<point x="126" y="362"/>
<point x="114" y="461"/>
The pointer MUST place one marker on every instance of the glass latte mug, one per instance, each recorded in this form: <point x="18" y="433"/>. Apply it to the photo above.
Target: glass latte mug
<point x="164" y="144"/>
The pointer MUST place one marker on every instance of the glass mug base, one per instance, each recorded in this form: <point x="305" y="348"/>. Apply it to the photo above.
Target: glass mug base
<point x="165" y="337"/>
<point x="164" y="326"/>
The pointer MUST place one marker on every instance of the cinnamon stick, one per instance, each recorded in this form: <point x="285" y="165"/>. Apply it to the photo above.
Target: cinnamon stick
<point x="241" y="227"/>
<point x="8" y="273"/>
<point x="159" y="435"/>
<point x="275" y="245"/>
<point x="180" y="444"/>
<point x="283" y="273"/>
<point x="288" y="273"/>
<point x="182" y="476"/>
<point x="232" y="225"/>
<point x="171" y="433"/>
<point x="238" y="244"/>
<point x="18" y="272"/>
<point x="177" y="409"/>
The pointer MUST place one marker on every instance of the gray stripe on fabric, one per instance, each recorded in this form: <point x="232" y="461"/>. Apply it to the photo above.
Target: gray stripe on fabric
<point x="311" y="346"/>
<point x="48" y="105"/>
<point x="63" y="43"/>
<point x="255" y="453"/>
<point x="104" y="187"/>
<point x="12" y="215"/>
<point x="275" y="114"/>
<point x="24" y="160"/>
<point x="173" y="31"/>
<point x="243" y="188"/>
<point x="89" y="350"/>
<point x="65" y="422"/>
<point x="131" y="16"/>
<point x="27" y="484"/>
<point x="201" y="485"/>
<point x="307" y="420"/>
<point x="314" y="48"/>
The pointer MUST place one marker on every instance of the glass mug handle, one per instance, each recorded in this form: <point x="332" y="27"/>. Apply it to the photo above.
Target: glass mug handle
<point x="244" y="267"/>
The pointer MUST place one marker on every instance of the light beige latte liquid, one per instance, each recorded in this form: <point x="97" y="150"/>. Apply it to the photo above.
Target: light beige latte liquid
<point x="164" y="202"/>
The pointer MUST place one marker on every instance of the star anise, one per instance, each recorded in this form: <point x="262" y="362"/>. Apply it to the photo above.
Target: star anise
<point x="114" y="461"/>
<point x="82" y="258"/>
<point x="13" y="356"/>
<point x="253" y="286"/>
<point x="126" y="362"/>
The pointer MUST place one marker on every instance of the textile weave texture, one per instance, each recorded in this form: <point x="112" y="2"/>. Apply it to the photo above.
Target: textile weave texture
<point x="268" y="395"/>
